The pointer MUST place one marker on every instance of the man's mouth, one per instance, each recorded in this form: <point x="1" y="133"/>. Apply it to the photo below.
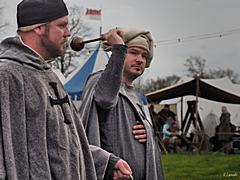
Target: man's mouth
<point x="137" y="67"/>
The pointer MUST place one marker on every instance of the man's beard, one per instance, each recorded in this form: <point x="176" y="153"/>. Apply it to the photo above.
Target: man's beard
<point x="131" y="76"/>
<point x="51" y="47"/>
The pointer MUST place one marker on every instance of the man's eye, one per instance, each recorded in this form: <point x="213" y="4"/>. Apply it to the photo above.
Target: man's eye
<point x="144" y="55"/>
<point x="133" y="52"/>
<point x="62" y="26"/>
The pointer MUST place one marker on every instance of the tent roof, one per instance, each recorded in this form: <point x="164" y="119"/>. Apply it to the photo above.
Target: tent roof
<point x="75" y="83"/>
<point x="207" y="90"/>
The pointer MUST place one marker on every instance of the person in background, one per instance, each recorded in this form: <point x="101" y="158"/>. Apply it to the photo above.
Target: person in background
<point x="41" y="135"/>
<point x="225" y="131"/>
<point x="113" y="114"/>
<point x="170" y="135"/>
<point x="165" y="113"/>
<point x="224" y="113"/>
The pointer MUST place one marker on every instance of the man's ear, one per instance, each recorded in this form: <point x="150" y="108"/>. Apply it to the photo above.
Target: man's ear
<point x="40" y="29"/>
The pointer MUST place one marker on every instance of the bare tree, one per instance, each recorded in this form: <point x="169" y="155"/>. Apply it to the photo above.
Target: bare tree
<point x="220" y="73"/>
<point x="159" y="83"/>
<point x="68" y="62"/>
<point x="195" y="66"/>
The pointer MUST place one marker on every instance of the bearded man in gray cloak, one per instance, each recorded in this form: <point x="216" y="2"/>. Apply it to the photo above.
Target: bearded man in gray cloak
<point x="41" y="135"/>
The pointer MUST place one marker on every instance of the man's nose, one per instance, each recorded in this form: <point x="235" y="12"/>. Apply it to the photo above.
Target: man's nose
<point x="67" y="32"/>
<point x="139" y="58"/>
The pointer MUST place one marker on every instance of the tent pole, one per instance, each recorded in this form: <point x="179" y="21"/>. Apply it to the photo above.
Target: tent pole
<point x="197" y="94"/>
<point x="198" y="120"/>
<point x="181" y="110"/>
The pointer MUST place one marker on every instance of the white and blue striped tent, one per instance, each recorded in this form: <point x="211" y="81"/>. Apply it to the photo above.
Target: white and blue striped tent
<point x="75" y="82"/>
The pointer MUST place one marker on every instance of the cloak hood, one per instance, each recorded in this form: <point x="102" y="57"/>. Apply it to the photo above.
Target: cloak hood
<point x="13" y="49"/>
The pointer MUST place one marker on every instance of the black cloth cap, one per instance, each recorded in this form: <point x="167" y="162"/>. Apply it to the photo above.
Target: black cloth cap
<point x="31" y="12"/>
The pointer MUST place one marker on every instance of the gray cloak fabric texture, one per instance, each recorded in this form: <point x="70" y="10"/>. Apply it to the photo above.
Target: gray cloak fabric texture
<point x="35" y="142"/>
<point x="103" y="99"/>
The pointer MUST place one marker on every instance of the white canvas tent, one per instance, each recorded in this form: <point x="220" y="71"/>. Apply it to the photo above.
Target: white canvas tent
<point x="209" y="110"/>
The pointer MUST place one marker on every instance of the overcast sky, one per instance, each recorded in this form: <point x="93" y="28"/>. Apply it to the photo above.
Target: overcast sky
<point x="212" y="28"/>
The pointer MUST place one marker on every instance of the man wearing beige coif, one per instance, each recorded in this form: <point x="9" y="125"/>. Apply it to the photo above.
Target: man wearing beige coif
<point x="113" y="114"/>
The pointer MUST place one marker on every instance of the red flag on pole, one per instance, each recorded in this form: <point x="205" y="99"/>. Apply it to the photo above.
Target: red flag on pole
<point x="93" y="14"/>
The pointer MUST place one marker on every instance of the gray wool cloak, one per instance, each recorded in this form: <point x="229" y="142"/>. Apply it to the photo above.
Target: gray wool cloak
<point x="41" y="136"/>
<point x="108" y="114"/>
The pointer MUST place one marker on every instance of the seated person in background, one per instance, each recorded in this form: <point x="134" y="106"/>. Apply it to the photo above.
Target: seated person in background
<point x="217" y="144"/>
<point x="170" y="135"/>
<point x="165" y="113"/>
<point x="224" y="132"/>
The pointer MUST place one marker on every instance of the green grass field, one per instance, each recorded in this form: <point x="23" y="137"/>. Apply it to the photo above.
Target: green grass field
<point x="201" y="166"/>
